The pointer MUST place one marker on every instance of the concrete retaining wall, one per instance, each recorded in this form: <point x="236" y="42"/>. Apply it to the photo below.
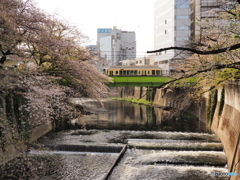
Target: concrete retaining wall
<point x="225" y="124"/>
<point x="17" y="129"/>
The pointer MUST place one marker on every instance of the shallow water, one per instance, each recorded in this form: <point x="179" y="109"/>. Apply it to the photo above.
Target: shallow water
<point x="122" y="115"/>
<point x="84" y="166"/>
<point x="143" y="160"/>
<point x="183" y="158"/>
<point x="159" y="147"/>
<point x="156" y="172"/>
<point x="171" y="165"/>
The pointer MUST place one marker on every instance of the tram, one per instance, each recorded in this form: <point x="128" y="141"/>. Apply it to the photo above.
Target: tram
<point x="133" y="71"/>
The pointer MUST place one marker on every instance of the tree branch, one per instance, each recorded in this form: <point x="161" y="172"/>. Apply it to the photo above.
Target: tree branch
<point x="215" y="67"/>
<point x="217" y="51"/>
<point x="4" y="56"/>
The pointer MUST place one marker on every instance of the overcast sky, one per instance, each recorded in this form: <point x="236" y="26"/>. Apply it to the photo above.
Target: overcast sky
<point x="88" y="15"/>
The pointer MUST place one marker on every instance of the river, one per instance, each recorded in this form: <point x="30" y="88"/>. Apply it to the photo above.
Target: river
<point x="159" y="146"/>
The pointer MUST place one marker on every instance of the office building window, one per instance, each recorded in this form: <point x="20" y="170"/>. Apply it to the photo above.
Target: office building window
<point x="182" y="17"/>
<point x="182" y="1"/>
<point x="180" y="4"/>
<point x="182" y="27"/>
<point x="181" y="38"/>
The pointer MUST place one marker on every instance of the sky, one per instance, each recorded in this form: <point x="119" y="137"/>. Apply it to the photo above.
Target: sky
<point x="89" y="15"/>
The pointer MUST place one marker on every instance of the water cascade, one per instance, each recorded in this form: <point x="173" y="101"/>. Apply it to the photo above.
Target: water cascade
<point x="121" y="141"/>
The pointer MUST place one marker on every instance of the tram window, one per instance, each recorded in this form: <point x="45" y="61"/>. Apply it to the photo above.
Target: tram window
<point x="135" y="72"/>
<point x="128" y="72"/>
<point x="158" y="72"/>
<point x="139" y="72"/>
<point x="117" y="72"/>
<point x="153" y="72"/>
<point x="120" y="73"/>
<point x="124" y="72"/>
<point x="148" y="72"/>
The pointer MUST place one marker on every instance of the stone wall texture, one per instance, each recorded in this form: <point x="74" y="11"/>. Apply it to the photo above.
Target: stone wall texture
<point x="227" y="126"/>
<point x="225" y="122"/>
<point x="17" y="129"/>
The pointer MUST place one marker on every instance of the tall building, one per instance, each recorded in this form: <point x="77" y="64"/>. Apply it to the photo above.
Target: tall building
<point x="175" y="25"/>
<point x="172" y="22"/>
<point x="201" y="9"/>
<point x="116" y="45"/>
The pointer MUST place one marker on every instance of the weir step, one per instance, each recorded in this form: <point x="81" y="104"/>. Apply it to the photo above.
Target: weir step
<point x="85" y="148"/>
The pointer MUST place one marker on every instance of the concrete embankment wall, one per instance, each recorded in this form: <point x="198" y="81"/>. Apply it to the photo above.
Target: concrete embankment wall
<point x="226" y="124"/>
<point x="162" y="97"/>
<point x="219" y="109"/>
<point x="17" y="130"/>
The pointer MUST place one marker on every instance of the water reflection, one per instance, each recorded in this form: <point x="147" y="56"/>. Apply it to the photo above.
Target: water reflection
<point x="89" y="154"/>
<point x="124" y="115"/>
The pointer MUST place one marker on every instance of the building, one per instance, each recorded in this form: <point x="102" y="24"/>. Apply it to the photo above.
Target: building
<point x="172" y="22"/>
<point x="143" y="61"/>
<point x="96" y="59"/>
<point x="127" y="62"/>
<point x="201" y="9"/>
<point x="140" y="61"/>
<point x="175" y="24"/>
<point x="92" y="48"/>
<point x="116" y="45"/>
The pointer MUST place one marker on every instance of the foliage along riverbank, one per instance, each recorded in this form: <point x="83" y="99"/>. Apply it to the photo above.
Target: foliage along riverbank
<point x="133" y="100"/>
<point x="43" y="63"/>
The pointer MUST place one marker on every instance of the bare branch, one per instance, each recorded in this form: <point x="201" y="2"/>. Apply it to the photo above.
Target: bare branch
<point x="215" y="67"/>
<point x="217" y="51"/>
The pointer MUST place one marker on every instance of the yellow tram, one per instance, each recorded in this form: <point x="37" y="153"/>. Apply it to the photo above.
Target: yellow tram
<point x="133" y="71"/>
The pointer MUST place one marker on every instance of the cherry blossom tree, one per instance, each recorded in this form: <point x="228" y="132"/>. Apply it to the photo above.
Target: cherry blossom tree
<point x="18" y="21"/>
<point x="54" y="66"/>
<point x="28" y="34"/>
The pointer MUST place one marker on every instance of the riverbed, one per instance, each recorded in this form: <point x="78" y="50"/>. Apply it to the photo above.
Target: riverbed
<point x="159" y="146"/>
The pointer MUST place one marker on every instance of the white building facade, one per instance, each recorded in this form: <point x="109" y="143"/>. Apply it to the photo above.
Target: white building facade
<point x="172" y="22"/>
<point x="116" y="45"/>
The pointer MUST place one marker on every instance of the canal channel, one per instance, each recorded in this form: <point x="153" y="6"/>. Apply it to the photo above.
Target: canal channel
<point x="125" y="141"/>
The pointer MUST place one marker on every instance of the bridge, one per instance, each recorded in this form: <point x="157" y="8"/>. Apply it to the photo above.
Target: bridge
<point x="150" y="81"/>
